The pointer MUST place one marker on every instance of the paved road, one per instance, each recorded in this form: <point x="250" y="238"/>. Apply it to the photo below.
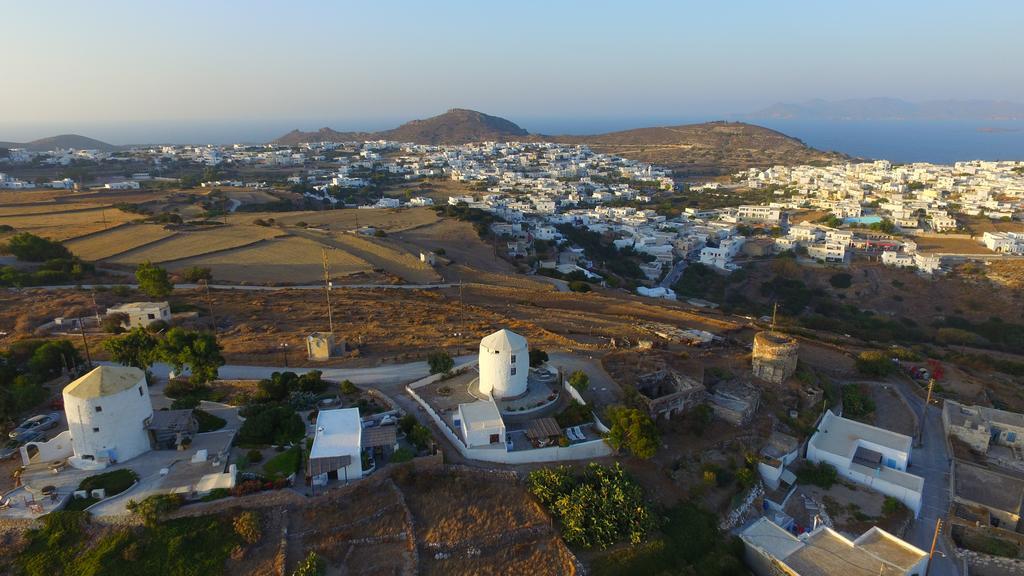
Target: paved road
<point x="931" y="461"/>
<point x="381" y="376"/>
<point x="673" y="275"/>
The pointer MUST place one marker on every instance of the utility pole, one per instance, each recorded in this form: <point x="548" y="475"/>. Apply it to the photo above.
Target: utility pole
<point x="935" y="540"/>
<point x="924" y="412"/>
<point x="209" y="304"/>
<point x="85" y="342"/>
<point x="95" y="308"/>
<point x="327" y="289"/>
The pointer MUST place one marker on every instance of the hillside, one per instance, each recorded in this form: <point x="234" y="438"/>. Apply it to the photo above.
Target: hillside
<point x="456" y="126"/>
<point x="712" y="148"/>
<point x="62" y="141"/>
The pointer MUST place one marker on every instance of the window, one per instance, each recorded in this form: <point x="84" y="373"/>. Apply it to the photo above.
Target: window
<point x="95" y="429"/>
<point x="513" y="370"/>
<point x="495" y="438"/>
<point x="151" y="316"/>
<point x="140" y="390"/>
<point x="513" y="358"/>
<point x="99" y="408"/>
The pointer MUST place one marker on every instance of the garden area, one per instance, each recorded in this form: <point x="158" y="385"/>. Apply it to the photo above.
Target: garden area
<point x="112" y="483"/>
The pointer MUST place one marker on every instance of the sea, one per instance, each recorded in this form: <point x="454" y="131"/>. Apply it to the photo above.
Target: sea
<point x="938" y="142"/>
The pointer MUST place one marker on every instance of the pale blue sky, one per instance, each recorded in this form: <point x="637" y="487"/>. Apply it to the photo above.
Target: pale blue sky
<point x="72" y="65"/>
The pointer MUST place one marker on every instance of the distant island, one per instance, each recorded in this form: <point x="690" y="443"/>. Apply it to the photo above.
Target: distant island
<point x="890" y="109"/>
<point x="709" y="148"/>
<point x="996" y="130"/>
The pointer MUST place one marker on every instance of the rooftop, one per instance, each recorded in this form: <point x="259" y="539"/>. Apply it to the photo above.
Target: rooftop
<point x="139" y="306"/>
<point x="503" y="340"/>
<point x="337" y="432"/>
<point x="481" y="413"/>
<point x="825" y="552"/>
<point x="988" y="488"/>
<point x="105" y="381"/>
<point x="839" y="435"/>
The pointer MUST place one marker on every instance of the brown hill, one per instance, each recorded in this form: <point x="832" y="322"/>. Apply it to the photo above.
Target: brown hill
<point x="62" y="141"/>
<point x="456" y="126"/>
<point x="710" y="148"/>
<point x="695" y="149"/>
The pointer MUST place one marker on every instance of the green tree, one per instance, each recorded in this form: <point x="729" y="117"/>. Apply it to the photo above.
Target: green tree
<point x="49" y="360"/>
<point x="153" y="280"/>
<point x="579" y="380"/>
<point x="199" y="351"/>
<point x="537" y="357"/>
<point x="136" y="348"/>
<point x="632" y="430"/>
<point x="31" y="248"/>
<point x="440" y="362"/>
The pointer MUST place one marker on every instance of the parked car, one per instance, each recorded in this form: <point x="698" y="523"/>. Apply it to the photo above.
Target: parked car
<point x="10" y="448"/>
<point x="35" y="424"/>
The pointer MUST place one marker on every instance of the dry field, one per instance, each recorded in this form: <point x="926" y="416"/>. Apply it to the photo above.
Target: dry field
<point x="396" y="262"/>
<point x="460" y="242"/>
<point x="391" y="220"/>
<point x="43" y="208"/>
<point x="116" y="240"/>
<point x="950" y="245"/>
<point x="978" y="225"/>
<point x="279" y="260"/>
<point x="199" y="242"/>
<point x="65" y="225"/>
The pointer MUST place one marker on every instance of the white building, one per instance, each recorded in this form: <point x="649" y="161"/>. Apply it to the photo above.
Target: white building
<point x="768" y="214"/>
<point x="481" y="424"/>
<point x="1004" y="242"/>
<point x="868" y="455"/>
<point x="770" y="550"/>
<point x="124" y="185"/>
<point x="108" y="410"/>
<point x="142" y="314"/>
<point x="504" y="364"/>
<point x="337" y="447"/>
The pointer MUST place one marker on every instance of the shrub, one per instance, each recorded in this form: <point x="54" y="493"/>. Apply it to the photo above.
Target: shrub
<point x="440" y="362"/>
<point x="633" y="430"/>
<point x="598" y="509"/>
<point x="537" y="357"/>
<point x="197" y="273"/>
<point x="579" y="286"/>
<point x="208" y="422"/>
<point x="247" y="525"/>
<point x="821" y="474"/>
<point x="856" y="402"/>
<point x="31" y="248"/>
<point x="403" y="454"/>
<point x="579" y="380"/>
<point x="155" y="507"/>
<point x="892" y="506"/>
<point x="347" y="388"/>
<point x="841" y="280"/>
<point x="271" y="424"/>
<point x="875" y="363"/>
<point x="114" y="323"/>
<point x="312" y="565"/>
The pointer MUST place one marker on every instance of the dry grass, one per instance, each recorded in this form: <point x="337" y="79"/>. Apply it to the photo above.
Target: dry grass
<point x="279" y="260"/>
<point x="117" y="240"/>
<point x="197" y="243"/>
<point x="65" y="225"/>
<point x="392" y="220"/>
<point x="950" y="244"/>
<point x="44" y="208"/>
<point x="539" y="556"/>
<point x="392" y="261"/>
<point x="459" y="241"/>
<point x="470" y="508"/>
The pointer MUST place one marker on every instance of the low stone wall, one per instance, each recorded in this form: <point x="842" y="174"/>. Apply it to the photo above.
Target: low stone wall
<point x="986" y="565"/>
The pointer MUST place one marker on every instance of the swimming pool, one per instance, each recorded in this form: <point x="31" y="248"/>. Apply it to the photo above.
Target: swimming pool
<point x="863" y="220"/>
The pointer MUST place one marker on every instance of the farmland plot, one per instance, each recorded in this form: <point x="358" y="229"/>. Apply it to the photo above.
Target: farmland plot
<point x="197" y="243"/>
<point x="116" y="240"/>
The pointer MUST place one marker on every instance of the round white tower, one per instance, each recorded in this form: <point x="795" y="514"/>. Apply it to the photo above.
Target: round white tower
<point x="504" y="364"/>
<point x="107" y="411"/>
